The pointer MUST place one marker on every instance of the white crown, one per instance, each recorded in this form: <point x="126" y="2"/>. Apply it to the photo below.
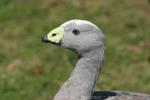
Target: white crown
<point x="78" y="22"/>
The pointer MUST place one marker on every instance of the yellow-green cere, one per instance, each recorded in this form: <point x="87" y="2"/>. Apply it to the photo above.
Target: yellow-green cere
<point x="56" y="34"/>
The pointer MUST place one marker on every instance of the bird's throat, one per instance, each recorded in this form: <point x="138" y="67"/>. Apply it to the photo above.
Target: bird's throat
<point x="81" y="83"/>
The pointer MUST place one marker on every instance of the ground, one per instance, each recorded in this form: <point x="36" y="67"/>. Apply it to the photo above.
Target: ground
<point x="31" y="70"/>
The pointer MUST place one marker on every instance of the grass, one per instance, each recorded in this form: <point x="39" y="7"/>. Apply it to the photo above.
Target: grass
<point x="30" y="70"/>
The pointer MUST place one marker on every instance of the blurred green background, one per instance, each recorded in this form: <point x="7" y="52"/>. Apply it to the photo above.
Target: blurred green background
<point x="31" y="70"/>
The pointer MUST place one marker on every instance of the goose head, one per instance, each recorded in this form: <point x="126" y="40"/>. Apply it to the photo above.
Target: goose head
<point x="76" y="35"/>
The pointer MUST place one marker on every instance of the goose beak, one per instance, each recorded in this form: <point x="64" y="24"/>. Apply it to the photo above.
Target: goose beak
<point x="54" y="36"/>
<point x="45" y="39"/>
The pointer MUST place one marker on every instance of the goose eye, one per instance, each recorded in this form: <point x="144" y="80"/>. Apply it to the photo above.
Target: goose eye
<point x="76" y="32"/>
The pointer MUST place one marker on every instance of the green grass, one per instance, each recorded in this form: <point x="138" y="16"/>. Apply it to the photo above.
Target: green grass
<point x="31" y="70"/>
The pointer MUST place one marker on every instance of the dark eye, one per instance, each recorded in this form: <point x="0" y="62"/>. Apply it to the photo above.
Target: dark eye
<point x="76" y="32"/>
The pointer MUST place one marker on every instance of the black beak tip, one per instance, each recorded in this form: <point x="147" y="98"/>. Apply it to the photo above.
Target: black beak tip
<point x="45" y="39"/>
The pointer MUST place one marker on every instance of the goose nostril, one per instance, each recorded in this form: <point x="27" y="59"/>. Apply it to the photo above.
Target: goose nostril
<point x="54" y="34"/>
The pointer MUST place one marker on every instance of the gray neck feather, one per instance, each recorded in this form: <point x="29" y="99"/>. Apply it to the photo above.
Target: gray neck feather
<point x="81" y="83"/>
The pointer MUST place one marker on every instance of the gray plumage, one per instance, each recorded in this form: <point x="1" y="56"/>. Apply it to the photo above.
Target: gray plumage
<point x="89" y="45"/>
